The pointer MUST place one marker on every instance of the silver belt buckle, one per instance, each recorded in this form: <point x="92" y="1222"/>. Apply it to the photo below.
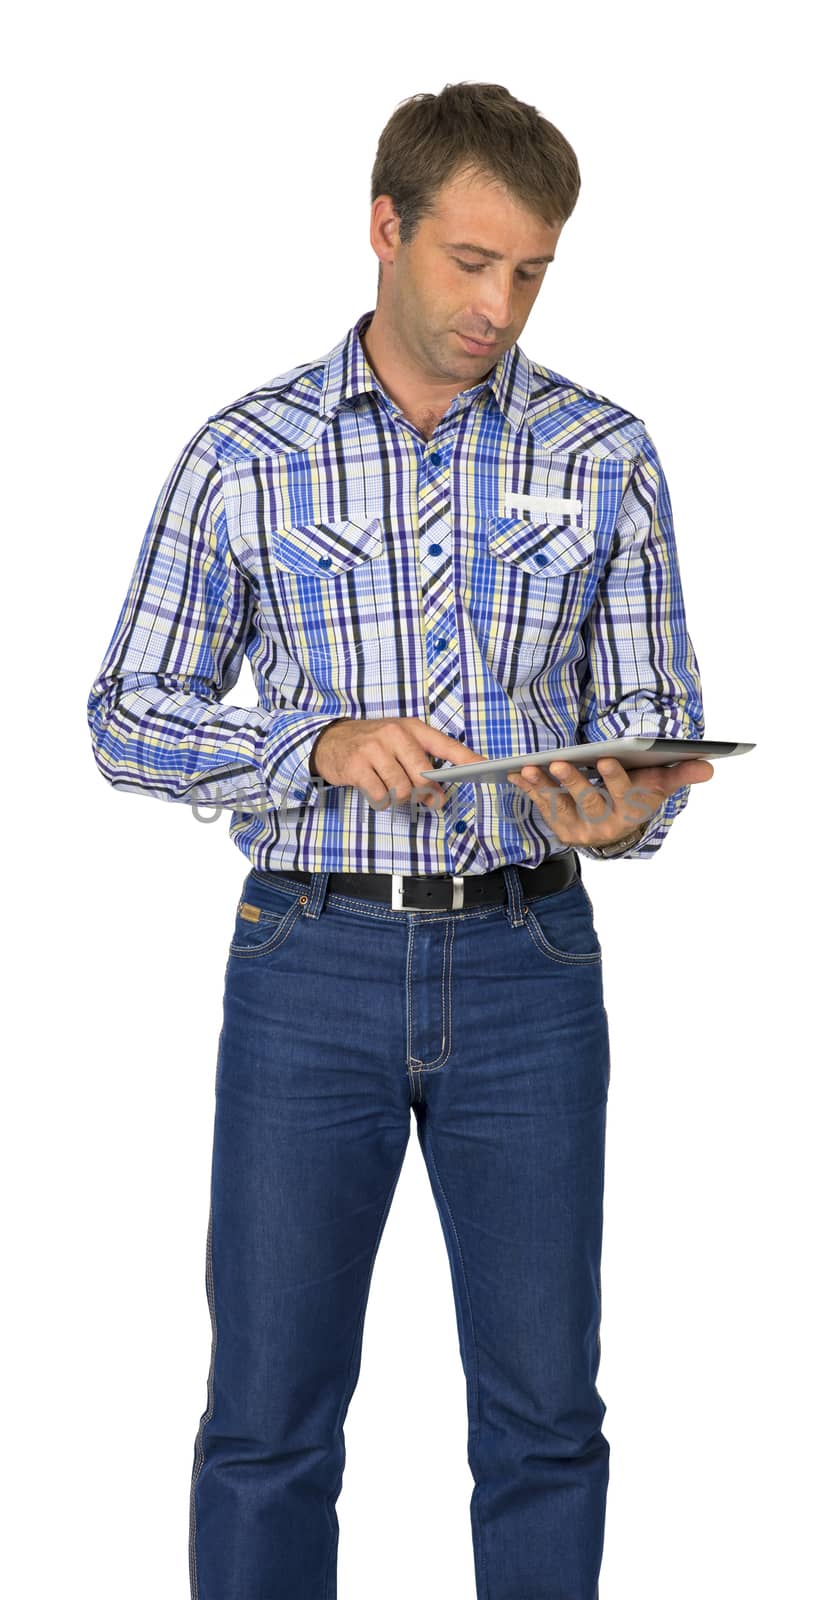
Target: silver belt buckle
<point x="397" y="893"/>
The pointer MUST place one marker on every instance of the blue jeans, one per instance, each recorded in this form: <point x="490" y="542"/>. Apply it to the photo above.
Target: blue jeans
<point x="340" y="1018"/>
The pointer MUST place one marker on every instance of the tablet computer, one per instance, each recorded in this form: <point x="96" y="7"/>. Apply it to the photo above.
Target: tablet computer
<point x="631" y="753"/>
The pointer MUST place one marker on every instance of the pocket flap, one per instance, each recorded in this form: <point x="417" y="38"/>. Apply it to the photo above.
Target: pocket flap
<point x="544" y="549"/>
<point x="326" y="549"/>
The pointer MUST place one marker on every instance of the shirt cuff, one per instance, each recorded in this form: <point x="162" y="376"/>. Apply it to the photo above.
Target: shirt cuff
<point x="287" y="749"/>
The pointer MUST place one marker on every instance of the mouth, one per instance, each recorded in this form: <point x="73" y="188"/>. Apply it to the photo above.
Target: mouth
<point x="476" y="347"/>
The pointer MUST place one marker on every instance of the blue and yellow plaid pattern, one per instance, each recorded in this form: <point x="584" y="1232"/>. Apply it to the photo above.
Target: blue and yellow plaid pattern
<point x="513" y="581"/>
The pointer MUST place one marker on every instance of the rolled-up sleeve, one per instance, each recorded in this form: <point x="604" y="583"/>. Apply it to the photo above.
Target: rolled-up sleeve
<point x="641" y="672"/>
<point x="154" y="712"/>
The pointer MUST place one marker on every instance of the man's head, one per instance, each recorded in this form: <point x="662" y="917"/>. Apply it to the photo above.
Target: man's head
<point x="471" y="166"/>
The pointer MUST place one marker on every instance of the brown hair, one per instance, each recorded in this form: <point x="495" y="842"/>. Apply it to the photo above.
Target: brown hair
<point x="482" y="128"/>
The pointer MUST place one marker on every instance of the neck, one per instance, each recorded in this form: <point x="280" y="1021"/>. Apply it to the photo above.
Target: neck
<point x="417" y="396"/>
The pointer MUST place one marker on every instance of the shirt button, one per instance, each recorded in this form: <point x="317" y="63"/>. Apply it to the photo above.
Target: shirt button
<point x="299" y="794"/>
<point x="435" y="549"/>
<point x="540" y="558"/>
<point x="436" y="458"/>
<point x="441" y="644"/>
<point x="324" y="561"/>
<point x="460" y="827"/>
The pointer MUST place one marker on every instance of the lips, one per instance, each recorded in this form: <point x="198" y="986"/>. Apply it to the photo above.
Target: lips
<point x="482" y="343"/>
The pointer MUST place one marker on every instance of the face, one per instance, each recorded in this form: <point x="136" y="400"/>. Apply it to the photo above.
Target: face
<point x="435" y="292"/>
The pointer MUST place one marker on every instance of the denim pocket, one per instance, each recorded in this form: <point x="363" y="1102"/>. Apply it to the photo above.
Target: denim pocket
<point x="561" y="926"/>
<point x="258" y="936"/>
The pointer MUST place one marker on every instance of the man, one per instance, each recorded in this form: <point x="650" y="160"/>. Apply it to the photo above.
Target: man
<point x="431" y="549"/>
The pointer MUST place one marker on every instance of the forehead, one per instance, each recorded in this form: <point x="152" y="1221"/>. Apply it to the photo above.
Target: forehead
<point x="480" y="208"/>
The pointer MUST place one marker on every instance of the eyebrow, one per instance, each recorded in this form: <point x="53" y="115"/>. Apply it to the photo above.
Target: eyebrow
<point x="496" y="255"/>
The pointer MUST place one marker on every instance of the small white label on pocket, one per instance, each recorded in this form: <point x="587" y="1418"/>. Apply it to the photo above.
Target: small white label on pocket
<point x="532" y="502"/>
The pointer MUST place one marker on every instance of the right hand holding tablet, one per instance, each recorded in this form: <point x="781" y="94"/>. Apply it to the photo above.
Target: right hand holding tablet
<point x="580" y="814"/>
<point x="384" y="756"/>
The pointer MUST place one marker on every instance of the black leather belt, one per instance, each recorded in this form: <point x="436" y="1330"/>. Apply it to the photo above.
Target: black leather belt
<point x="445" y="891"/>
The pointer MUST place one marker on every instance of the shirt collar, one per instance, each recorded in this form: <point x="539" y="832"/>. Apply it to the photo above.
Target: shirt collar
<point x="348" y="373"/>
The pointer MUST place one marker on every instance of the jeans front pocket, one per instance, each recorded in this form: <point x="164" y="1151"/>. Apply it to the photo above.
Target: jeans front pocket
<point x="561" y="926"/>
<point x="258" y="932"/>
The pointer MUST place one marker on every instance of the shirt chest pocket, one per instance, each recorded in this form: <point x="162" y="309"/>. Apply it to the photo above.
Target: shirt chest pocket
<point x="542" y="549"/>
<point x="329" y="585"/>
<point x="530" y="599"/>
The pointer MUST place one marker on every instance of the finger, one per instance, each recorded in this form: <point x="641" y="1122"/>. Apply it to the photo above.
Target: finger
<point x="669" y="778"/>
<point x="429" y="796"/>
<point x="410" y="757"/>
<point x="413" y="762"/>
<point x="637" y="793"/>
<point x="535" y="778"/>
<point x="592" y="801"/>
<point x="641" y="802"/>
<point x="553" y="802"/>
<point x="696" y="771"/>
<point x="388" y="781"/>
<point x="620" y="800"/>
<point x="436" y="743"/>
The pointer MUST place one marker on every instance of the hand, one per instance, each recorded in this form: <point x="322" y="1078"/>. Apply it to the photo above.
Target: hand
<point x="583" y="813"/>
<point x="384" y="756"/>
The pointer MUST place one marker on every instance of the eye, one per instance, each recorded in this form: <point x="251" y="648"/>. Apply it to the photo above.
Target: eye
<point x="528" y="277"/>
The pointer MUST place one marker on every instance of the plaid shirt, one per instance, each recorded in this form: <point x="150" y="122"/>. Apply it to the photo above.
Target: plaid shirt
<point x="513" y="581"/>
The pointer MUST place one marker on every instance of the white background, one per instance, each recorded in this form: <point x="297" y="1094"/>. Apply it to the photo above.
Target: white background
<point x="187" y="193"/>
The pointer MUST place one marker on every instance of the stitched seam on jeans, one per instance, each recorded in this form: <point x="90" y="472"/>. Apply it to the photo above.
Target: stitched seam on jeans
<point x="207" y="1414"/>
<point x="410" y="948"/>
<point x="441" y="1059"/>
<point x="349" y="903"/>
<point x="446" y="990"/>
<point x="286" y="924"/>
<point x="562" y="957"/>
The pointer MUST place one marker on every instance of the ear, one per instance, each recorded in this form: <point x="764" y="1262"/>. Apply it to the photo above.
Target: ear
<point x="385" y="228"/>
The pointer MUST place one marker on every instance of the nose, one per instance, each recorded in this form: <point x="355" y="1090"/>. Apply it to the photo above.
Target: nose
<point x="493" y="304"/>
